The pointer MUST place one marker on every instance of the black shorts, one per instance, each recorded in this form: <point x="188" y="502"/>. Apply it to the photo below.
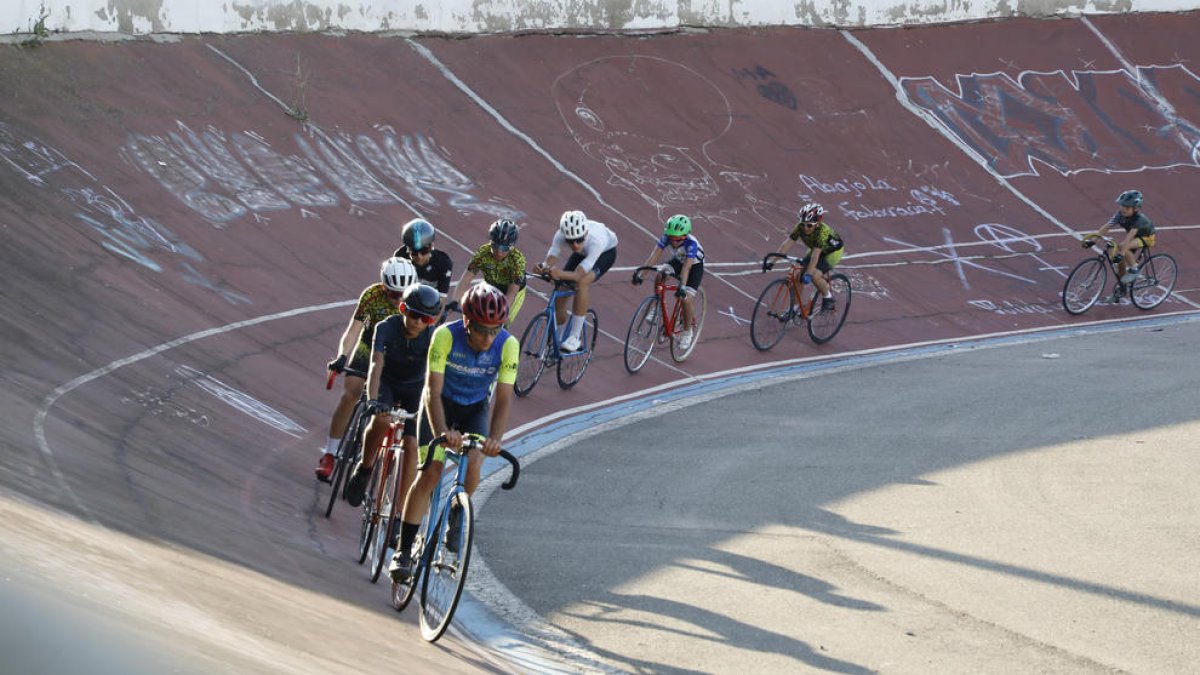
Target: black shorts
<point x="469" y="419"/>
<point x="694" y="275"/>
<point x="405" y="394"/>
<point x="822" y="264"/>
<point x="603" y="262"/>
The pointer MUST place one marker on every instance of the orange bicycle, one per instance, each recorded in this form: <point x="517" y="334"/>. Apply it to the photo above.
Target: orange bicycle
<point x="782" y="305"/>
<point x="653" y="324"/>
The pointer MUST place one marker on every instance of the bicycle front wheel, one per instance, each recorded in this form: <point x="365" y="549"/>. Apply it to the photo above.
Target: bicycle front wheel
<point x="639" y="339"/>
<point x="1084" y="286"/>
<point x="443" y="578"/>
<point x="388" y="512"/>
<point x="402" y="592"/>
<point x="572" y="364"/>
<point x="370" y="512"/>
<point x="1155" y="281"/>
<point x="347" y="454"/>
<point x="698" y="309"/>
<point x="823" y="324"/>
<point x="772" y="315"/>
<point x="535" y="347"/>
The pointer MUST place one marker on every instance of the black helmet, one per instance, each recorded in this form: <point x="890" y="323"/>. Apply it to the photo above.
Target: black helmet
<point x="418" y="234"/>
<point x="1130" y="198"/>
<point x="503" y="234"/>
<point x="422" y="299"/>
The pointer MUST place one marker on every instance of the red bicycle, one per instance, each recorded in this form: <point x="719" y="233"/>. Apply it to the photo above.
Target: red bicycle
<point x="654" y="323"/>
<point x="385" y="496"/>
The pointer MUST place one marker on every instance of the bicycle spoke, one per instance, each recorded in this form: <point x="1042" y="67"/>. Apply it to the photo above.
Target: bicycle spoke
<point x="640" y="337"/>
<point x="572" y="365"/>
<point x="443" y="578"/>
<point x="534" y="348"/>
<point x="1155" y="281"/>
<point x="1084" y="286"/>
<point x="772" y="315"/>
<point x="825" y="323"/>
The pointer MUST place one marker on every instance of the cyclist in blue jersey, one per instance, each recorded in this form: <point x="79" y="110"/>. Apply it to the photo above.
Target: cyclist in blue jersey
<point x="465" y="358"/>
<point x="686" y="262"/>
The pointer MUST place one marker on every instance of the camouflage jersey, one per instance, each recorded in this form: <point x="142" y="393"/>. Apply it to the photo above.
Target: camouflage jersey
<point x="373" y="307"/>
<point x="822" y="237"/>
<point x="499" y="273"/>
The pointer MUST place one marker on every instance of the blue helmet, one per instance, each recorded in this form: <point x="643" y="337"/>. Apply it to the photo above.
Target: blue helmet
<point x="418" y="234"/>
<point x="1130" y="198"/>
<point x="503" y="234"/>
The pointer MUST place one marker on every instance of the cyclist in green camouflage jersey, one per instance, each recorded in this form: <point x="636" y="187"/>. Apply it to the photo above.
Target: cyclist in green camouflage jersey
<point x="824" y="249"/>
<point x="502" y="265"/>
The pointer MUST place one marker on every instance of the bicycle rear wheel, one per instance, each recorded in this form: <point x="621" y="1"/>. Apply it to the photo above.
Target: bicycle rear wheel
<point x="443" y="578"/>
<point x="347" y="454"/>
<point x="572" y="365"/>
<point x="388" y="513"/>
<point x="824" y="324"/>
<point x="1084" y="286"/>
<point x="535" y="347"/>
<point x="1155" y="281"/>
<point x="370" y="512"/>
<point x="698" y="309"/>
<point x="772" y="315"/>
<point x="639" y="339"/>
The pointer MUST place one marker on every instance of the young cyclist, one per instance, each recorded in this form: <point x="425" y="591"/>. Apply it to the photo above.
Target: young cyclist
<point x="593" y="249"/>
<point x="824" y="249"/>
<point x="377" y="302"/>
<point x="686" y="262"/>
<point x="395" y="378"/>
<point x="1139" y="232"/>
<point x="502" y="265"/>
<point x="465" y="358"/>
<point x="434" y="267"/>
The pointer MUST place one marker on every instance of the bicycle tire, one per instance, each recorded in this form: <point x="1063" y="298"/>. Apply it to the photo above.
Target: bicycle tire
<point x="1155" y="282"/>
<point x="1084" y="286"/>
<point x="387" y="511"/>
<point x="640" y="337"/>
<point x="446" y="572"/>
<point x="823" y="325"/>
<point x="535" y="346"/>
<point x="698" y="309"/>
<point x="370" y="514"/>
<point x="572" y="365"/>
<point x="773" y="312"/>
<point x="346" y="449"/>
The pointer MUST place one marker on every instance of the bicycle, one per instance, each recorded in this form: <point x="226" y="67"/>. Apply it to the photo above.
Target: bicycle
<point x="1147" y="288"/>
<point x="652" y="324"/>
<point x="350" y="447"/>
<point x="442" y="550"/>
<point x="541" y="346"/>
<point x="782" y="304"/>
<point x="385" y="497"/>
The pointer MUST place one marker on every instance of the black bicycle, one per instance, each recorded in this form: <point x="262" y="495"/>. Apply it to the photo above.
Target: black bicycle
<point x="1147" y="288"/>
<point x="350" y="447"/>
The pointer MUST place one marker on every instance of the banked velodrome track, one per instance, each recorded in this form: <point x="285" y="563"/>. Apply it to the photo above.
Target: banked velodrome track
<point x="185" y="223"/>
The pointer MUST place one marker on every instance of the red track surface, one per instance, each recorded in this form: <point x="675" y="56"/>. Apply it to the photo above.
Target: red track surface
<point x="152" y="191"/>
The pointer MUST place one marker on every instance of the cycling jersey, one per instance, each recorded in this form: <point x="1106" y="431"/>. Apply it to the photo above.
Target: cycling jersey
<point x="403" y="358"/>
<point x="436" y="272"/>
<point x="822" y="237"/>
<point x="468" y="373"/>
<point x="499" y="273"/>
<point x="373" y="307"/>
<point x="599" y="240"/>
<point x="688" y="248"/>
<point x="1137" y="221"/>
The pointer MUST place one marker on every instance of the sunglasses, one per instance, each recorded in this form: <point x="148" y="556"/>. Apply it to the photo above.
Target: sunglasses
<point x="423" y="318"/>
<point x="808" y="225"/>
<point x="423" y="251"/>
<point x="576" y="241"/>
<point x="484" y="330"/>
<point x="676" y="240"/>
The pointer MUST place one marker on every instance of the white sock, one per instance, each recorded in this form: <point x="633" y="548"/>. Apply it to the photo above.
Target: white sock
<point x="331" y="446"/>
<point x="829" y="294"/>
<point x="568" y="327"/>
<point x="577" y="326"/>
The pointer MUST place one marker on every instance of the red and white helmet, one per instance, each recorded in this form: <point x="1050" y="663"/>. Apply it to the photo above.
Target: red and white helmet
<point x="812" y="212"/>
<point x="485" y="304"/>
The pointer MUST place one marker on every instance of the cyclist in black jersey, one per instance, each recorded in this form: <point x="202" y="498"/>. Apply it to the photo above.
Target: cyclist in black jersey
<point x="1139" y="232"/>
<point x="434" y="267"/>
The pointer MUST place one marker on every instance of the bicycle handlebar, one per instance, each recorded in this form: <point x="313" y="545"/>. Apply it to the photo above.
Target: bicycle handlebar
<point x="637" y="273"/>
<point x="766" y="261"/>
<point x="473" y="442"/>
<point x="558" y="283"/>
<point x="347" y="371"/>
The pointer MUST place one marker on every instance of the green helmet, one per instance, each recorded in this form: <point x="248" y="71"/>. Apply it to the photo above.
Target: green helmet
<point x="678" y="225"/>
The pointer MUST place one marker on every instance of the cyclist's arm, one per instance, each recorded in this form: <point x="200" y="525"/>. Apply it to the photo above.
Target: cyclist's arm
<point x="786" y="246"/>
<point x="350" y="338"/>
<point x="655" y="256"/>
<point x="498" y="425"/>
<point x="435" y="379"/>
<point x="374" y="373"/>
<point x="684" y="269"/>
<point x="464" y="282"/>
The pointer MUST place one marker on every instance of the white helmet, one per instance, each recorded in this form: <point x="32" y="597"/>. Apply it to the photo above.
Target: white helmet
<point x="397" y="274"/>
<point x="573" y="224"/>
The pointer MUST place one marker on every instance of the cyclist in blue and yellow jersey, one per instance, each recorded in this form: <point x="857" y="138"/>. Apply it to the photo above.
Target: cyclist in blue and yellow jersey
<point x="686" y="262"/>
<point x="502" y="265"/>
<point x="1139" y="232"/>
<point x="434" y="267"/>
<point x="377" y="302"/>
<point x="592" y="249"/>
<point x="465" y="358"/>
<point x="396" y="377"/>
<point x="824" y="249"/>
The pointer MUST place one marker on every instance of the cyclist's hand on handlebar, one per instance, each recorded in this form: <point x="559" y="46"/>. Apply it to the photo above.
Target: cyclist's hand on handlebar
<point x="1088" y="241"/>
<point x="806" y="278"/>
<point x="454" y="439"/>
<point x="637" y="279"/>
<point x="681" y="292"/>
<point x="452" y="306"/>
<point x="768" y="264"/>
<point x="491" y="446"/>
<point x="339" y="364"/>
<point x="666" y="269"/>
<point x="377" y="407"/>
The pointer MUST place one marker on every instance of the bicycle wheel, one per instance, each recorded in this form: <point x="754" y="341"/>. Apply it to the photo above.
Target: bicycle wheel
<point x="772" y="315"/>
<point x="1155" y="281"/>
<point x="370" y="512"/>
<point x="572" y="365"/>
<point x="347" y="452"/>
<point x="535" y="348"/>
<point x="1084" y="286"/>
<point x="639" y="339"/>
<point x="443" y="578"/>
<point x="388" y="513"/>
<point x="698" y="308"/>
<point x="822" y="324"/>
<point x="402" y="593"/>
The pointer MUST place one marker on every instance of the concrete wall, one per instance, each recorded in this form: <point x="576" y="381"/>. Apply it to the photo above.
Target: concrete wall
<point x="489" y="16"/>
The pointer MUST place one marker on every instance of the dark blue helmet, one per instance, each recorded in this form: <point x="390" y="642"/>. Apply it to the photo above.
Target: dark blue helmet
<point x="418" y="234"/>
<point x="422" y="299"/>
<point x="1130" y="198"/>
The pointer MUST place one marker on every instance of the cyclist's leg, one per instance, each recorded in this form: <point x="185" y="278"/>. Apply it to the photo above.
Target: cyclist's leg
<point x="378" y="426"/>
<point x="692" y="284"/>
<point x="515" y="307"/>
<point x="473" y="419"/>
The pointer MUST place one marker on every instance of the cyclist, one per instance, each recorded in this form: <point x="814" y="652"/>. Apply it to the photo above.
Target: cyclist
<point x="395" y="378"/>
<point x="686" y="262"/>
<point x="824" y="249"/>
<point x="593" y="249"/>
<point x="1139" y="232"/>
<point x="376" y="303"/>
<point x="434" y="267"/>
<point x="465" y="358"/>
<point x="502" y="265"/>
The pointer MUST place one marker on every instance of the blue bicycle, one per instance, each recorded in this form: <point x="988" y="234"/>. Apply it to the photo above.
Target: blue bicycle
<point x="442" y="550"/>
<point x="541" y="344"/>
